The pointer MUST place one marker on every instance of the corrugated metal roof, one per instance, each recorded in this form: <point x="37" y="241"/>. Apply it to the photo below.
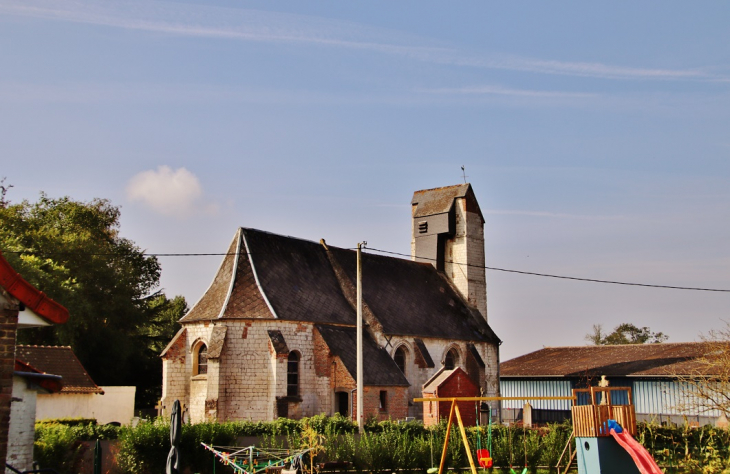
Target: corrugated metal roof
<point x="634" y="360"/>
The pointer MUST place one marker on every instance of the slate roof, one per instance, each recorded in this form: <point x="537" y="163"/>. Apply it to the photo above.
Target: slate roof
<point x="379" y="369"/>
<point x="434" y="201"/>
<point x="59" y="360"/>
<point x="275" y="276"/>
<point x="414" y="299"/>
<point x="631" y="360"/>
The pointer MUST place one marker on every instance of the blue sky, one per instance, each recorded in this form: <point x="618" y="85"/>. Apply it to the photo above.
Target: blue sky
<point x="596" y="137"/>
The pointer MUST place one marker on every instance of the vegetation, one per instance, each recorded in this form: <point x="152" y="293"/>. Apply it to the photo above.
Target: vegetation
<point x="705" y="382"/>
<point x="383" y="447"/>
<point x="73" y="251"/>
<point x="625" y="333"/>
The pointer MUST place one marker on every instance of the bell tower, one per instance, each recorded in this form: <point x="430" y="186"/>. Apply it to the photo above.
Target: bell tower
<point x="448" y="232"/>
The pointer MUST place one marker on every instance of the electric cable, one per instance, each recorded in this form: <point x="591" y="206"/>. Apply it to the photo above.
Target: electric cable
<point x="497" y="269"/>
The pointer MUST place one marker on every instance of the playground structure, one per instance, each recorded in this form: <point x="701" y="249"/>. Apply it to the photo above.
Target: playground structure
<point x="603" y="432"/>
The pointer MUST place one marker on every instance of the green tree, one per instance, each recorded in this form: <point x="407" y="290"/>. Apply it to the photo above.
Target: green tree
<point x="72" y="251"/>
<point x="625" y="333"/>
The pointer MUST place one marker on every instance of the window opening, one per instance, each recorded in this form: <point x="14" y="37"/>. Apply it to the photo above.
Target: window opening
<point x="292" y="375"/>
<point x="400" y="359"/>
<point x="202" y="360"/>
<point x="451" y="360"/>
<point x="383" y="400"/>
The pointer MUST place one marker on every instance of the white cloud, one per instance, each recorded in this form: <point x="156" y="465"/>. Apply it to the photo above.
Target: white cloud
<point x="169" y="192"/>
<point x="275" y="27"/>
<point x="557" y="215"/>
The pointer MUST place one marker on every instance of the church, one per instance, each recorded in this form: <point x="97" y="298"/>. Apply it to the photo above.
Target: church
<point x="274" y="334"/>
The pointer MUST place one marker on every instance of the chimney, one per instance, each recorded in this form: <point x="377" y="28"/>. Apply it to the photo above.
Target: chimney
<point x="448" y="232"/>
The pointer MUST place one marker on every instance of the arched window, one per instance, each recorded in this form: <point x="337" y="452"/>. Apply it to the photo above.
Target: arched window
<point x="400" y="359"/>
<point x="292" y="375"/>
<point x="201" y="360"/>
<point x="451" y="360"/>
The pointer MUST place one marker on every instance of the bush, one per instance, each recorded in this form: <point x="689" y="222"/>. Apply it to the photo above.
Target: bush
<point x="67" y="421"/>
<point x="383" y="446"/>
<point x="57" y="447"/>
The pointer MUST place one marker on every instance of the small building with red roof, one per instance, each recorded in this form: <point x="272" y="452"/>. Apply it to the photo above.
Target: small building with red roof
<point x="21" y="306"/>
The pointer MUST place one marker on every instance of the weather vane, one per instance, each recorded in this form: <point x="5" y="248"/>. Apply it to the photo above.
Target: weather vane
<point x="463" y="172"/>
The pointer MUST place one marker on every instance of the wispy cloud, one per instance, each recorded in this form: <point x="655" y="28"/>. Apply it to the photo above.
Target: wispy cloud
<point x="169" y="192"/>
<point x="557" y="215"/>
<point x="254" y="25"/>
<point x="506" y="91"/>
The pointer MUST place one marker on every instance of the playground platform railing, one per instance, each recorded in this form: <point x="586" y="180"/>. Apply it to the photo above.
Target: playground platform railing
<point x="592" y="420"/>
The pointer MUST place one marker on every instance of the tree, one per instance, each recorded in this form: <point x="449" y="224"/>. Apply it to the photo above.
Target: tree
<point x="72" y="251"/>
<point x="625" y="333"/>
<point x="704" y="381"/>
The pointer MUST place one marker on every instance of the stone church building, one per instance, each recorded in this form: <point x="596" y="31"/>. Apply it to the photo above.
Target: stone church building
<point x="274" y="334"/>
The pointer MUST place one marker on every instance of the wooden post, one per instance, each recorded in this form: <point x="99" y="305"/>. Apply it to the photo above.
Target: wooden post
<point x="358" y="338"/>
<point x="446" y="441"/>
<point x="466" y="440"/>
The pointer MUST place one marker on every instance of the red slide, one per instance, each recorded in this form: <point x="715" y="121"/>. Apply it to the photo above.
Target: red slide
<point x="639" y="454"/>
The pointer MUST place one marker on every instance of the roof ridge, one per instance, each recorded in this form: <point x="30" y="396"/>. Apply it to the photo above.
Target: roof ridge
<point x="439" y="188"/>
<point x="646" y="344"/>
<point x="44" y="346"/>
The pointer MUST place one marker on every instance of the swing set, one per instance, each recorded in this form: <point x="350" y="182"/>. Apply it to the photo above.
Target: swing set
<point x="484" y="458"/>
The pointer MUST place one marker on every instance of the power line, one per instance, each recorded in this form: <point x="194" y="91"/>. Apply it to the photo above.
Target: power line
<point x="592" y="280"/>
<point x="506" y="270"/>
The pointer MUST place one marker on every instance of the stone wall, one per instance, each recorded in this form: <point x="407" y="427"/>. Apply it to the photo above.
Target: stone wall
<point x="487" y="378"/>
<point x="176" y="375"/>
<point x="249" y="381"/>
<point x="467" y="247"/>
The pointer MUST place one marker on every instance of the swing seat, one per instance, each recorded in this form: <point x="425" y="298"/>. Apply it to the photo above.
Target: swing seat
<point x="485" y="459"/>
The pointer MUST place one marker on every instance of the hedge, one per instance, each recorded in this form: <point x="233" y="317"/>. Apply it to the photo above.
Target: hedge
<point x="384" y="446"/>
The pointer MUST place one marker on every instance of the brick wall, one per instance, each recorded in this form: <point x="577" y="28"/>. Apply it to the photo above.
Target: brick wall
<point x="396" y="403"/>
<point x="175" y="376"/>
<point x="8" y="328"/>
<point x="458" y="385"/>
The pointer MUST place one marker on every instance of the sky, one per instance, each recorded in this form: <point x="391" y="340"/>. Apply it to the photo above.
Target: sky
<point x="596" y="138"/>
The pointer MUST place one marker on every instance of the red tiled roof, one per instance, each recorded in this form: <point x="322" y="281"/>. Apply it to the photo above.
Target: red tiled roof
<point x="630" y="360"/>
<point x="31" y="297"/>
<point x="59" y="360"/>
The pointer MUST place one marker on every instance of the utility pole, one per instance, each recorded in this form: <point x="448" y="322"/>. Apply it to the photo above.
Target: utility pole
<point x="360" y="420"/>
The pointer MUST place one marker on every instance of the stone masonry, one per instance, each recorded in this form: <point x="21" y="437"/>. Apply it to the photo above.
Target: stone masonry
<point x="276" y="297"/>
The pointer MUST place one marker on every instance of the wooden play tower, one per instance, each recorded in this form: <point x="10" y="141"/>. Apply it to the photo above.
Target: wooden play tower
<point x="604" y="431"/>
<point x="599" y="449"/>
<point x="590" y="420"/>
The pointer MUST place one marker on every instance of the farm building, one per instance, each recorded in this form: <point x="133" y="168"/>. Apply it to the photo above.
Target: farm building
<point x="651" y="371"/>
<point x="274" y="334"/>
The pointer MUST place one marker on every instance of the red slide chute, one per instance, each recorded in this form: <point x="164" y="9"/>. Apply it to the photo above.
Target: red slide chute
<point x="639" y="454"/>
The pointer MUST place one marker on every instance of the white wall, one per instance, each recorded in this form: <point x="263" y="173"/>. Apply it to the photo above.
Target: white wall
<point x="117" y="404"/>
<point x="22" y="425"/>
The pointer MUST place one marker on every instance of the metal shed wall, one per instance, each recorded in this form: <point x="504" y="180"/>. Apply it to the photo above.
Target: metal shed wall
<point x="536" y="388"/>
<point x="667" y="397"/>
